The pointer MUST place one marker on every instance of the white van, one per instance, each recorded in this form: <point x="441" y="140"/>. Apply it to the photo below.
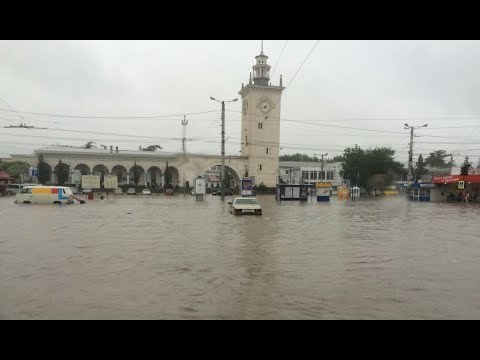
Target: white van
<point x="13" y="189"/>
<point x="44" y="195"/>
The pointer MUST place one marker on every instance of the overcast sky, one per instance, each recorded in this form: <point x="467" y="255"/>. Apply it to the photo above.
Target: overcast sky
<point x="367" y="85"/>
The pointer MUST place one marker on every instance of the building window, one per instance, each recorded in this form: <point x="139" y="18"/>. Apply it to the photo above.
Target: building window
<point x="305" y="175"/>
<point x="260" y="125"/>
<point x="313" y="175"/>
<point x="286" y="171"/>
<point x="329" y="175"/>
<point x="260" y="166"/>
<point x="267" y="151"/>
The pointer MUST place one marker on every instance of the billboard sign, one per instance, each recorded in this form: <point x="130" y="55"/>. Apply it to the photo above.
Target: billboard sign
<point x="246" y="186"/>
<point x="91" y="181"/>
<point x="77" y="176"/>
<point x="200" y="188"/>
<point x="111" y="182"/>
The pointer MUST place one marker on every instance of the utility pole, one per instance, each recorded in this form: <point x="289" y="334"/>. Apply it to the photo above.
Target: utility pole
<point x="321" y="166"/>
<point x="410" y="152"/>
<point x="184" y="123"/>
<point x="222" y="171"/>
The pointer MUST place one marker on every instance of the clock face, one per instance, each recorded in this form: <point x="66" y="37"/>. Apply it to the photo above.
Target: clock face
<point x="245" y="106"/>
<point x="265" y="106"/>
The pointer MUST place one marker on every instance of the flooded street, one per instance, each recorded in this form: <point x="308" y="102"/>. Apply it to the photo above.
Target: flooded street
<point x="164" y="257"/>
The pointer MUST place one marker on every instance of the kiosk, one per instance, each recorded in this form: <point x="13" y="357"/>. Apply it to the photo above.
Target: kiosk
<point x="323" y="191"/>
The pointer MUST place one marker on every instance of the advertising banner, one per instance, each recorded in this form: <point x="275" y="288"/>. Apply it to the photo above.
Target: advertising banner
<point x="246" y="186"/>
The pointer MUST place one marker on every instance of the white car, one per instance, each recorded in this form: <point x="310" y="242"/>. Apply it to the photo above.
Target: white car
<point x="146" y="192"/>
<point x="244" y="206"/>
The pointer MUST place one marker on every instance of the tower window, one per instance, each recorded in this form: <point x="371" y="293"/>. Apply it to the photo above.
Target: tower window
<point x="260" y="166"/>
<point x="260" y="125"/>
<point x="267" y="150"/>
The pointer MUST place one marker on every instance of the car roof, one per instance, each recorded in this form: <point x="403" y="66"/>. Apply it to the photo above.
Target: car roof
<point x="48" y="187"/>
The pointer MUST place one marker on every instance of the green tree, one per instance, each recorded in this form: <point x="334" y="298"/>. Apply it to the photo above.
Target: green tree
<point x="360" y="165"/>
<point x="168" y="177"/>
<point x="61" y="172"/>
<point x="420" y="169"/>
<point x="43" y="171"/>
<point x="436" y="159"/>
<point x="465" y="167"/>
<point x="299" y="157"/>
<point x="136" y="174"/>
<point x="336" y="158"/>
<point x="89" y="145"/>
<point x="227" y="181"/>
<point x="15" y="169"/>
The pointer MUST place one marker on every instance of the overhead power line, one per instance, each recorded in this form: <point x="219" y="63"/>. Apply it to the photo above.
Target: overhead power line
<point x="273" y="72"/>
<point x="304" y="61"/>
<point x="110" y="117"/>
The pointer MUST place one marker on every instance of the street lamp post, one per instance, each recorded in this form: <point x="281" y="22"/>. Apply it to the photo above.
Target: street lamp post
<point x="222" y="171"/>
<point x="410" y="152"/>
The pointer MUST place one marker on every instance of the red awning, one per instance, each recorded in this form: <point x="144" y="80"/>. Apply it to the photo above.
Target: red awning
<point x="453" y="179"/>
<point x="5" y="176"/>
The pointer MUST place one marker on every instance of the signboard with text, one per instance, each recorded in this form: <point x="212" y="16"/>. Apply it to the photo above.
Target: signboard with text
<point x="111" y="182"/>
<point x="91" y="181"/>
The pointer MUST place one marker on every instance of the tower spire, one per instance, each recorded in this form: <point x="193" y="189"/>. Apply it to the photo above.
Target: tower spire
<point x="261" y="70"/>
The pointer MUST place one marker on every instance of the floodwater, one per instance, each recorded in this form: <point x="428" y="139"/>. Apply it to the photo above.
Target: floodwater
<point x="164" y="257"/>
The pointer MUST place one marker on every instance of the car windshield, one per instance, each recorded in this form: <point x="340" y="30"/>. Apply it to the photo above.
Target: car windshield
<point x="246" y="202"/>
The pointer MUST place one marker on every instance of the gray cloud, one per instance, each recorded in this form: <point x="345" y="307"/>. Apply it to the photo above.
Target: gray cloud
<point x="351" y="80"/>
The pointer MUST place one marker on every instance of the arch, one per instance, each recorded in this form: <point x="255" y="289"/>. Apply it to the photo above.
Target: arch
<point x="44" y="173"/>
<point x="63" y="170"/>
<point x="173" y="177"/>
<point x="139" y="179"/>
<point x="121" y="173"/>
<point x="101" y="170"/>
<point x="230" y="173"/>
<point x="84" y="169"/>
<point x="154" y="177"/>
<point x="26" y="175"/>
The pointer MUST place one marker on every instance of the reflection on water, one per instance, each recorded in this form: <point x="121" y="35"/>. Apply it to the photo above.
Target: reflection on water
<point x="174" y="258"/>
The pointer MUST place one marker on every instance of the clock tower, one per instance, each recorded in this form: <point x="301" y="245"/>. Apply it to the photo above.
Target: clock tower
<point x="260" y="133"/>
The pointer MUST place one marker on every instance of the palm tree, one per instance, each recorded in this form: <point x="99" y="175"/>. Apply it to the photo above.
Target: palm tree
<point x="89" y="145"/>
<point x="151" y="148"/>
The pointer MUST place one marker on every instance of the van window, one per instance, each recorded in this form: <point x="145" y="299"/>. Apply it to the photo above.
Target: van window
<point x="13" y="186"/>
